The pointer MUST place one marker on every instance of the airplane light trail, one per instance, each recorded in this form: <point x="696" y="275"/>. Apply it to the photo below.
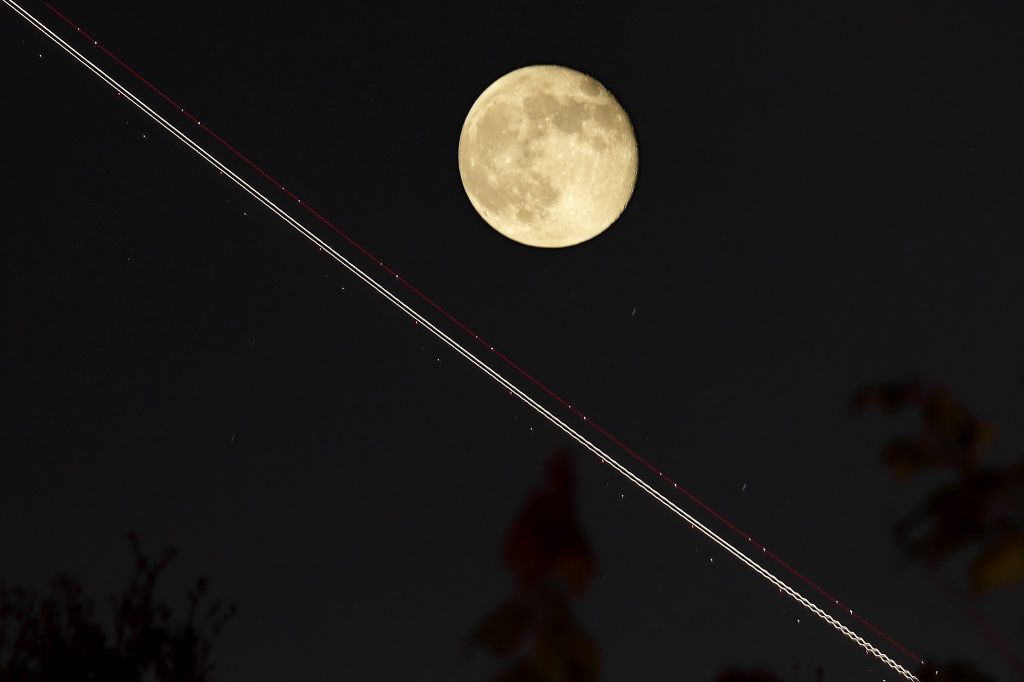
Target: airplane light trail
<point x="512" y="388"/>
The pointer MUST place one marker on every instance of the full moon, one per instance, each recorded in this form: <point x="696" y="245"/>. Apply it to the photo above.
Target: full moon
<point x="548" y="156"/>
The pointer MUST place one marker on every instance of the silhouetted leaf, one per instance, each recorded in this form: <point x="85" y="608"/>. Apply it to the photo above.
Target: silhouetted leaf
<point x="545" y="541"/>
<point x="503" y="630"/>
<point x="953" y="517"/>
<point x="999" y="565"/>
<point x="905" y="458"/>
<point x="888" y="397"/>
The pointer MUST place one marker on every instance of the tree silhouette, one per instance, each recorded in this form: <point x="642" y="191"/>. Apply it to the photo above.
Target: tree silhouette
<point x="980" y="511"/>
<point x="537" y="639"/>
<point x="534" y="631"/>
<point x="53" y="636"/>
<point x="982" y="505"/>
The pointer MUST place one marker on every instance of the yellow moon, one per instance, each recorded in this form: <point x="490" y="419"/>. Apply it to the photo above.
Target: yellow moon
<point x="548" y="156"/>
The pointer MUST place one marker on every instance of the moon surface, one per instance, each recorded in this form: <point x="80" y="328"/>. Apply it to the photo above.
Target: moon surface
<point x="548" y="156"/>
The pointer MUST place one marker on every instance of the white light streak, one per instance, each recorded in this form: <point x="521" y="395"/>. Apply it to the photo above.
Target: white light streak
<point x="458" y="348"/>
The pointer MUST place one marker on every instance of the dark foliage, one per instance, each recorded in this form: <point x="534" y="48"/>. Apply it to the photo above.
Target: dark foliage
<point x="979" y="508"/>
<point x="534" y="632"/>
<point x="981" y="505"/>
<point x="54" y="636"/>
<point x="536" y="637"/>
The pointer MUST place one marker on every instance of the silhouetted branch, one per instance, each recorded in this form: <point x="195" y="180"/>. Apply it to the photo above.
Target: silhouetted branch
<point x="54" y="636"/>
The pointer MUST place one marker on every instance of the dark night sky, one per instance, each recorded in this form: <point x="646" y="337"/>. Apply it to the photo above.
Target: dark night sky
<point x="826" y="198"/>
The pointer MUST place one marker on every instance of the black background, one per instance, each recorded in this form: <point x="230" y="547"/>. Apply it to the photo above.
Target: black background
<point x="826" y="197"/>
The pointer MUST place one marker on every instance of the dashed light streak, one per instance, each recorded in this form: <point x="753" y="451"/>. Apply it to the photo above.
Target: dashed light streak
<point x="458" y="348"/>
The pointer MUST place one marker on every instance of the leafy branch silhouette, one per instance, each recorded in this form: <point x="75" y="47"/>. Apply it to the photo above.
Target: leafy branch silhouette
<point x="536" y="638"/>
<point x="54" y="636"/>
<point x="982" y="505"/>
<point x="534" y="632"/>
<point x="979" y="512"/>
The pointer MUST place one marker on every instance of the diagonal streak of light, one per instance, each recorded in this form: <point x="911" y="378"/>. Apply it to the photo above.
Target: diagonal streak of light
<point x="512" y="388"/>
